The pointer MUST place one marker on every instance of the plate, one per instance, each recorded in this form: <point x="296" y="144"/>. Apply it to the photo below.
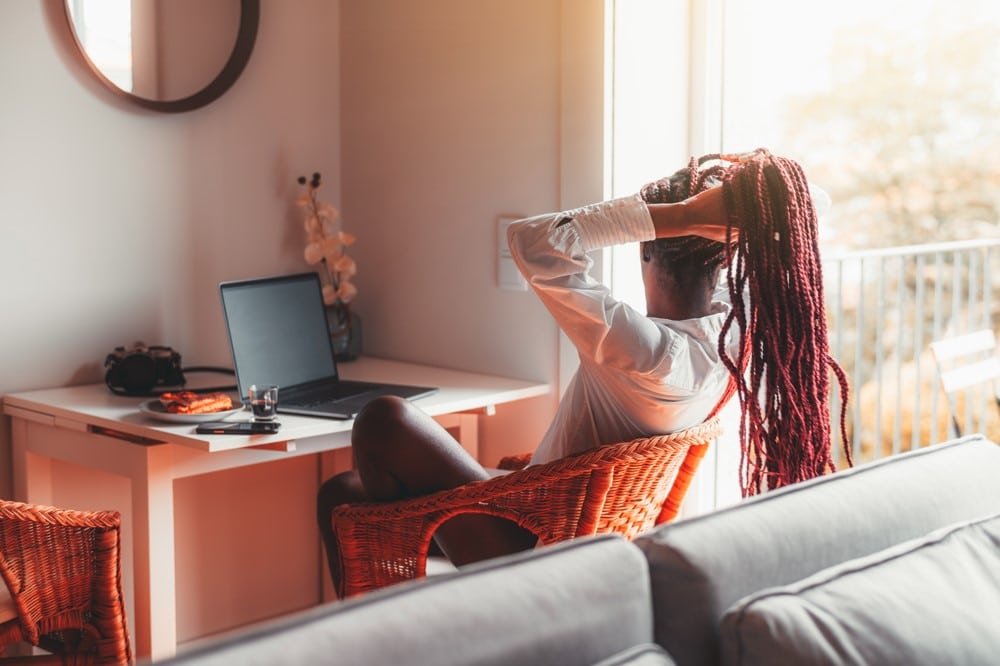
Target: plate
<point x="155" y="409"/>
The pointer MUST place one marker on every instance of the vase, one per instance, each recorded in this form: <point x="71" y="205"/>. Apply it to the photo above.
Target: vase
<point x="345" y="331"/>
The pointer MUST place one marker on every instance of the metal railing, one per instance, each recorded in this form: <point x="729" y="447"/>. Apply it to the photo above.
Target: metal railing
<point x="884" y="308"/>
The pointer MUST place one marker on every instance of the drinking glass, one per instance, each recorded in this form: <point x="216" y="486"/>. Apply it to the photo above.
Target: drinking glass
<point x="263" y="401"/>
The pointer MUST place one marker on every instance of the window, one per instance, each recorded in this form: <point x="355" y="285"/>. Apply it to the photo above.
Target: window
<point x="649" y="110"/>
<point x="664" y="68"/>
<point x="889" y="105"/>
<point x="106" y="29"/>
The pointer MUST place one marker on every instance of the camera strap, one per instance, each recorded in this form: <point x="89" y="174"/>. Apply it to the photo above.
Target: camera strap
<point x="212" y="368"/>
<point x="157" y="392"/>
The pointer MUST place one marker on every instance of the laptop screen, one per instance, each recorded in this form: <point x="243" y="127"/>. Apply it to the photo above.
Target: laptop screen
<point x="277" y="330"/>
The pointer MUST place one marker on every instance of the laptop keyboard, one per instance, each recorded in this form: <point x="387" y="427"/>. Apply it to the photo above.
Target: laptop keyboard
<point x="332" y="393"/>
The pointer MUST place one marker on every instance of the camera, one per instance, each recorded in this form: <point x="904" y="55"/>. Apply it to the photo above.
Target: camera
<point x="139" y="369"/>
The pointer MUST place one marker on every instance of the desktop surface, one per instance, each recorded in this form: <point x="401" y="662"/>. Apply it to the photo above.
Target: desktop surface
<point x="93" y="407"/>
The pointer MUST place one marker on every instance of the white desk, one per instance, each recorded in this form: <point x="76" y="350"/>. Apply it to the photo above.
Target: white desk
<point x="91" y="427"/>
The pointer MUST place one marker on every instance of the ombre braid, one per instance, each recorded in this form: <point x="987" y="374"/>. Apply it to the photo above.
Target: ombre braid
<point x="775" y="283"/>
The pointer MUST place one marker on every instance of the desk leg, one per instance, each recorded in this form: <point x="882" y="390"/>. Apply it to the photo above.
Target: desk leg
<point x="155" y="634"/>
<point x="465" y="427"/>
<point x="32" y="472"/>
<point x="32" y="485"/>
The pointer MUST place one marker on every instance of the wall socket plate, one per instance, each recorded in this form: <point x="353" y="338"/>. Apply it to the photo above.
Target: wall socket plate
<point x="508" y="277"/>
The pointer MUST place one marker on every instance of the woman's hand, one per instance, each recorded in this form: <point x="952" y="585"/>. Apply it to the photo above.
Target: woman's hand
<point x="703" y="215"/>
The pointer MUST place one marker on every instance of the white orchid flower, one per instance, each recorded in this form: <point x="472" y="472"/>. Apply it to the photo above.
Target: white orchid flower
<point x="329" y="294"/>
<point x="312" y="225"/>
<point x="327" y="211"/>
<point x="345" y="267"/>
<point x="346" y="291"/>
<point x="331" y="247"/>
<point x="313" y="253"/>
<point x="325" y="243"/>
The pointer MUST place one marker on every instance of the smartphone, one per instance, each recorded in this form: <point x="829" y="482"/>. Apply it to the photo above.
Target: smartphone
<point x="237" y="427"/>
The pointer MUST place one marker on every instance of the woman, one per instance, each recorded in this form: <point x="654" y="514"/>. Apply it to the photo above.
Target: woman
<point x="640" y="374"/>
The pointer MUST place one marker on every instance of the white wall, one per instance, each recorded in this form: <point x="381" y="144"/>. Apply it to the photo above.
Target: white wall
<point x="450" y="117"/>
<point x="117" y="224"/>
<point x="454" y="113"/>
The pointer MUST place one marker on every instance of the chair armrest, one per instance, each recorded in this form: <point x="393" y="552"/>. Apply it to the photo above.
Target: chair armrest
<point x="385" y="543"/>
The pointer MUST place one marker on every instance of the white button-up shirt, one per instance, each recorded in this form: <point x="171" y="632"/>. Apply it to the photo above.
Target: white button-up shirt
<point x="638" y="375"/>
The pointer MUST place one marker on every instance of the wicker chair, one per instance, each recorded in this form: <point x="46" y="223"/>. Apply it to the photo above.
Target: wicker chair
<point x="62" y="571"/>
<point x="624" y="488"/>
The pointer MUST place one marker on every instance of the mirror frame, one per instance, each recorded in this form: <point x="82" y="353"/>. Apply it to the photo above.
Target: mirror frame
<point x="246" y="36"/>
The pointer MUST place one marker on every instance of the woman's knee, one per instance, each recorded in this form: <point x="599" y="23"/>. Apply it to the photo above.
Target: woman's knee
<point x="400" y="451"/>
<point x="381" y="421"/>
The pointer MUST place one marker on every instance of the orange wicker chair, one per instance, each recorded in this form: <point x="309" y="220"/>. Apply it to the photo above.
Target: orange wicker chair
<point x="62" y="571"/>
<point x="624" y="488"/>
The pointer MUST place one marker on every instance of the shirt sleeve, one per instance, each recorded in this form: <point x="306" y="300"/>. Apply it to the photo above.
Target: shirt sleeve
<point x="551" y="252"/>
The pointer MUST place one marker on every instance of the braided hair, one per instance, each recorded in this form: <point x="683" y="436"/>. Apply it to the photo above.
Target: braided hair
<point x="686" y="258"/>
<point x="776" y="288"/>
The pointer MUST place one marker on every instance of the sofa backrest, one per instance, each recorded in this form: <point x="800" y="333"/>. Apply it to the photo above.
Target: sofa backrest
<point x="928" y="601"/>
<point x="699" y="567"/>
<point x="578" y="602"/>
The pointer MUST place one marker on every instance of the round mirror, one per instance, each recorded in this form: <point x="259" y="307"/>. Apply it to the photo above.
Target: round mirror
<point x="167" y="55"/>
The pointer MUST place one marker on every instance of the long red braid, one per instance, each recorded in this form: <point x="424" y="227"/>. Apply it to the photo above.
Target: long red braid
<point x="775" y="283"/>
<point x="782" y="377"/>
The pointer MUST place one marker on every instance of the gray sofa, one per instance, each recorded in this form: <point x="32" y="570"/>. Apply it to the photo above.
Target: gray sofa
<point x="721" y="570"/>
<point x="893" y="562"/>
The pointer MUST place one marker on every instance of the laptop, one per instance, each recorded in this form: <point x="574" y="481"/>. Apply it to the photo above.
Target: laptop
<point x="278" y="335"/>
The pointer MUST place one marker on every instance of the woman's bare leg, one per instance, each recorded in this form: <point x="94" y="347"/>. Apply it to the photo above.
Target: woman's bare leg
<point x="402" y="452"/>
<point x="343" y="488"/>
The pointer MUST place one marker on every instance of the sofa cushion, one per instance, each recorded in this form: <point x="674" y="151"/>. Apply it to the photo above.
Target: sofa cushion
<point x="577" y="602"/>
<point x="701" y="566"/>
<point x="929" y="601"/>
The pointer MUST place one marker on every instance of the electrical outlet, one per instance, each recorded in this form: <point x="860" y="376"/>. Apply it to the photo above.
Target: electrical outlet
<point x="508" y="277"/>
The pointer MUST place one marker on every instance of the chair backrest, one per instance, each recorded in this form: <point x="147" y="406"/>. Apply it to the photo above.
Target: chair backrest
<point x="62" y="569"/>
<point x="696" y="453"/>
<point x="969" y="370"/>
<point x="636" y="485"/>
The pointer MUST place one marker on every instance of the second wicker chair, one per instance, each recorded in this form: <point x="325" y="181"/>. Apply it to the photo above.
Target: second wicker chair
<point x="62" y="570"/>
<point x="624" y="488"/>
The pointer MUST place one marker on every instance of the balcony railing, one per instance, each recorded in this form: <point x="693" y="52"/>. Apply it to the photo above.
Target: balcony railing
<point x="885" y="307"/>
